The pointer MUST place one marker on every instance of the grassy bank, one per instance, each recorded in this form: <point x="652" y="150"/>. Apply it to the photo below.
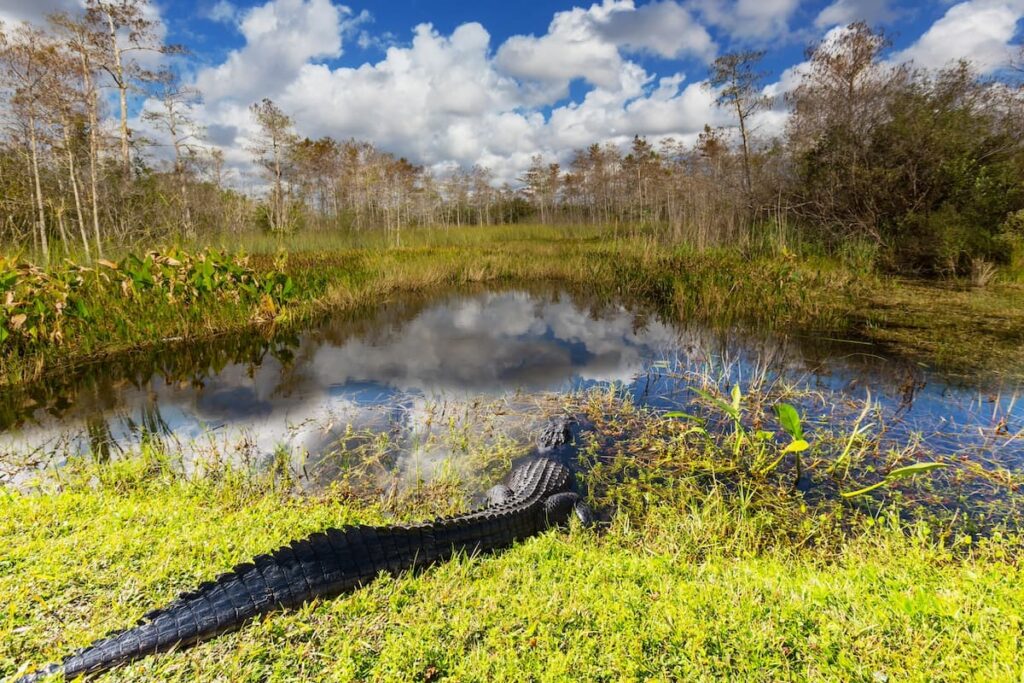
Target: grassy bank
<point x="333" y="274"/>
<point x="930" y="324"/>
<point x="699" y="575"/>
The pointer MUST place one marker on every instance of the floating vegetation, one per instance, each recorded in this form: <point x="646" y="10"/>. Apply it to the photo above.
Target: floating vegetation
<point x="895" y="475"/>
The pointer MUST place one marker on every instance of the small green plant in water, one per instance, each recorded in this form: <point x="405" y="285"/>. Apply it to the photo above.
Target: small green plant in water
<point x="790" y="421"/>
<point x="895" y="475"/>
<point x="733" y="410"/>
<point x="760" y="443"/>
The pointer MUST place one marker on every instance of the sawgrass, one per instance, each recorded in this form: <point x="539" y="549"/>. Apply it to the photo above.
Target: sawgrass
<point x="693" y="578"/>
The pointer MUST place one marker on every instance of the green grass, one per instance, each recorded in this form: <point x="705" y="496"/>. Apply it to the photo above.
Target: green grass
<point x="682" y="587"/>
<point x="957" y="328"/>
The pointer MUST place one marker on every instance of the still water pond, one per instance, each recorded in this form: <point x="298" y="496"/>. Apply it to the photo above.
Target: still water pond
<point x="412" y="364"/>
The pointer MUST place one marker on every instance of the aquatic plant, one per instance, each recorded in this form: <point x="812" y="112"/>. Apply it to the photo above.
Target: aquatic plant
<point x="185" y="277"/>
<point x="895" y="475"/>
<point x="759" y="444"/>
<point x="789" y="420"/>
<point x="34" y="303"/>
<point x="37" y="304"/>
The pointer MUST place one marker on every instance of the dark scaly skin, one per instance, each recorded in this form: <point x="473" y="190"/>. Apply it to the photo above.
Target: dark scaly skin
<point x="537" y="496"/>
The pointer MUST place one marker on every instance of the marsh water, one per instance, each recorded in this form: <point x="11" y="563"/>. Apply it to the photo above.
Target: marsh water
<point x="489" y="361"/>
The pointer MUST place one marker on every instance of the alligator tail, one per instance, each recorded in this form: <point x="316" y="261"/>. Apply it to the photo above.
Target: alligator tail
<point x="320" y="566"/>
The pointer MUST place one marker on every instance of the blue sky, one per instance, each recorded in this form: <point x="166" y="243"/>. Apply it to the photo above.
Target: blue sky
<point x="452" y="84"/>
<point x="392" y="22"/>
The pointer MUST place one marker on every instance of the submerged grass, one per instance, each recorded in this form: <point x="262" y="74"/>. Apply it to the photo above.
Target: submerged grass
<point x="704" y="570"/>
<point x="958" y="328"/>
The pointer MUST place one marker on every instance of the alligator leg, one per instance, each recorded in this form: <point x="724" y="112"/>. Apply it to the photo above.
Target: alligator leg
<point x="583" y="513"/>
<point x="557" y="433"/>
<point x="559" y="506"/>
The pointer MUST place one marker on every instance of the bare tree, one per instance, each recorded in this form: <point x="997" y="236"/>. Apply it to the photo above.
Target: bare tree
<point x="121" y="30"/>
<point x="542" y="183"/>
<point x="317" y="167"/>
<point x="80" y="40"/>
<point x="272" y="150"/>
<point x="841" y="100"/>
<point x="844" y="81"/>
<point x="174" y="118"/>
<point x="740" y="84"/>
<point x="65" y="107"/>
<point x="482" y="193"/>
<point x="28" y="60"/>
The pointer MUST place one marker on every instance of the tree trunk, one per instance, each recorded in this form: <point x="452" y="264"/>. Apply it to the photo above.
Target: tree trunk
<point x="179" y="171"/>
<point x="122" y="88"/>
<point x="94" y="152"/>
<point x="746" y="147"/>
<point x="60" y="226"/>
<point x="278" y="203"/>
<point x="39" y="189"/>
<point x="74" y="190"/>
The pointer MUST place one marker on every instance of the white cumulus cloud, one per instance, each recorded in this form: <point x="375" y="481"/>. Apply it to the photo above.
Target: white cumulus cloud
<point x="588" y="43"/>
<point x="843" y="12"/>
<point x="457" y="99"/>
<point x="16" y="11"/>
<point x="447" y="100"/>
<point x="750" y="20"/>
<point x="280" y="38"/>
<point x="978" y="30"/>
<point x="222" y="11"/>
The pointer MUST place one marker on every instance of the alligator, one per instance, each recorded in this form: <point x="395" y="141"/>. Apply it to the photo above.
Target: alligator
<point x="536" y="495"/>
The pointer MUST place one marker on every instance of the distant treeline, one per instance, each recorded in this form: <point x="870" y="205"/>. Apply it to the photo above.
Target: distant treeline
<point x="903" y="168"/>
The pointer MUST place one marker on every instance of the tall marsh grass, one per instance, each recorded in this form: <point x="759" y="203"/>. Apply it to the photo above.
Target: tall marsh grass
<point x="746" y="285"/>
<point x="340" y="271"/>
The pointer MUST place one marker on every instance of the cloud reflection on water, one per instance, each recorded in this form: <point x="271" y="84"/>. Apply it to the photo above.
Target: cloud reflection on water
<point x="388" y="369"/>
<point x="411" y="362"/>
